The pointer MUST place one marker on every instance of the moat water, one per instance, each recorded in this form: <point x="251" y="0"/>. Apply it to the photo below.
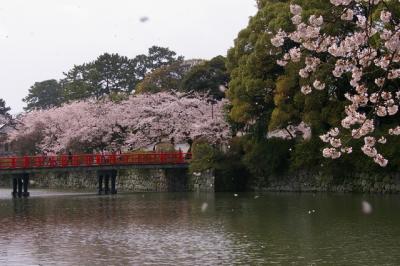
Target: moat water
<point x="59" y="228"/>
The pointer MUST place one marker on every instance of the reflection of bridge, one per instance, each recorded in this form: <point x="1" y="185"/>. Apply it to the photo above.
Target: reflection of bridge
<point x="106" y="165"/>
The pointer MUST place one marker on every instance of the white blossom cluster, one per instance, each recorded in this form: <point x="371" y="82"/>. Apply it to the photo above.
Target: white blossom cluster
<point x="137" y="122"/>
<point x="356" y="58"/>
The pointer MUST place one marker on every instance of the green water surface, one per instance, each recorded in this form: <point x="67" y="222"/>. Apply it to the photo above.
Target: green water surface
<point x="54" y="228"/>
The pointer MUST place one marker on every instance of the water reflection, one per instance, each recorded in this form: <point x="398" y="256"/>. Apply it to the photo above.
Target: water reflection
<point x="176" y="229"/>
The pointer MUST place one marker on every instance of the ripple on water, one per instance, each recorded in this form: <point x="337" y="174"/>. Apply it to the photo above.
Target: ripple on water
<point x="176" y="229"/>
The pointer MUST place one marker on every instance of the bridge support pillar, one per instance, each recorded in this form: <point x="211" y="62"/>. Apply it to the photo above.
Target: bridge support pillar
<point x="14" y="186"/>
<point x="113" y="181"/>
<point x="100" y="180"/>
<point x="107" y="183"/>
<point x="19" y="182"/>
<point x="25" y="181"/>
<point x="104" y="177"/>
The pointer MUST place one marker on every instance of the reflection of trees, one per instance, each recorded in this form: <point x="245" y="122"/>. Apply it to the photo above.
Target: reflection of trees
<point x="277" y="227"/>
<point x="157" y="226"/>
<point x="123" y="229"/>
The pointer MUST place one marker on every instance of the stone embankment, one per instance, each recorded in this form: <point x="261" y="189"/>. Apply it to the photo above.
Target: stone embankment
<point x="133" y="180"/>
<point x="362" y="183"/>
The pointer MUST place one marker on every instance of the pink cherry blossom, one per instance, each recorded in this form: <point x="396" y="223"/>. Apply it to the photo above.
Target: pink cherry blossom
<point x="134" y="123"/>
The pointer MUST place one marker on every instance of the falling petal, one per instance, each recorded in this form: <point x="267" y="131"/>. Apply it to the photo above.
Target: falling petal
<point x="366" y="207"/>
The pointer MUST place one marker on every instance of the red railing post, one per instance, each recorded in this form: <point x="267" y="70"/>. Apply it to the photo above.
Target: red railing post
<point x="98" y="159"/>
<point x="41" y="161"/>
<point x="37" y="161"/>
<point x="162" y="157"/>
<point x="26" y="162"/>
<point x="75" y="160"/>
<point x="180" y="157"/>
<point x="52" y="161"/>
<point x="64" y="160"/>
<point x="113" y="158"/>
<point x="89" y="159"/>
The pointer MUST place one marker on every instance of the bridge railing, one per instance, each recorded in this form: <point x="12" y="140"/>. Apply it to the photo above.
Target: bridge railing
<point x="87" y="160"/>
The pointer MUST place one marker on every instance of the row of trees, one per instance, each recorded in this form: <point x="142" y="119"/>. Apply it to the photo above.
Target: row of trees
<point x="108" y="74"/>
<point x="137" y="122"/>
<point x="114" y="75"/>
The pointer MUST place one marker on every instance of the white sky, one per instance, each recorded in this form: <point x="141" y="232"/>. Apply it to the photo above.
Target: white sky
<point x="42" y="38"/>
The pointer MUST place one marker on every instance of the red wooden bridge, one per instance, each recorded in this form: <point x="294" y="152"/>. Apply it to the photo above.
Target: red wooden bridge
<point x="67" y="162"/>
<point x="107" y="165"/>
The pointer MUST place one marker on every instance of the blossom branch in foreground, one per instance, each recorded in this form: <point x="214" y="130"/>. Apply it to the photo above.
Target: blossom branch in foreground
<point x="366" y="54"/>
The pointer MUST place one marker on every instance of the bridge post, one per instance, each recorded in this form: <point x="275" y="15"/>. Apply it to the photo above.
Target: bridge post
<point x="106" y="183"/>
<point x="113" y="181"/>
<point x="100" y="179"/>
<point x="14" y="185"/>
<point x="19" y="180"/>
<point x="25" y="179"/>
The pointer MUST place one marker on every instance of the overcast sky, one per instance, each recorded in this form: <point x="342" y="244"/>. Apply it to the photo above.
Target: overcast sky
<point x="40" y="39"/>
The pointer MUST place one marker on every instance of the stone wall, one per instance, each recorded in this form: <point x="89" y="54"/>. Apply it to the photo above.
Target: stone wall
<point x="179" y="180"/>
<point x="133" y="180"/>
<point x="203" y="181"/>
<point x="306" y="182"/>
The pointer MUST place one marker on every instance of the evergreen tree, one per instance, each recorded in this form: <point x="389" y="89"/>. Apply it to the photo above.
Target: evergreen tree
<point x="3" y="108"/>
<point x="209" y="76"/>
<point x="44" y="95"/>
<point x="264" y="95"/>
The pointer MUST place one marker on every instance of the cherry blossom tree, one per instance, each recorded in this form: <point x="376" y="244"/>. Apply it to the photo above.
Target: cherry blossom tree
<point x="137" y="122"/>
<point x="352" y="52"/>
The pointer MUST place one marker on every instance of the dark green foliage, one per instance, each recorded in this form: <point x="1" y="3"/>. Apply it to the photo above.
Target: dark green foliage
<point x="306" y="155"/>
<point x="268" y="158"/>
<point x="253" y="69"/>
<point x="165" y="78"/>
<point x="248" y="163"/>
<point x="44" y="95"/>
<point x="112" y="73"/>
<point x="265" y="95"/>
<point x="109" y="74"/>
<point x="204" y="156"/>
<point x="231" y="173"/>
<point x="158" y="57"/>
<point x="207" y="77"/>
<point x="188" y="76"/>
<point x="3" y="108"/>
